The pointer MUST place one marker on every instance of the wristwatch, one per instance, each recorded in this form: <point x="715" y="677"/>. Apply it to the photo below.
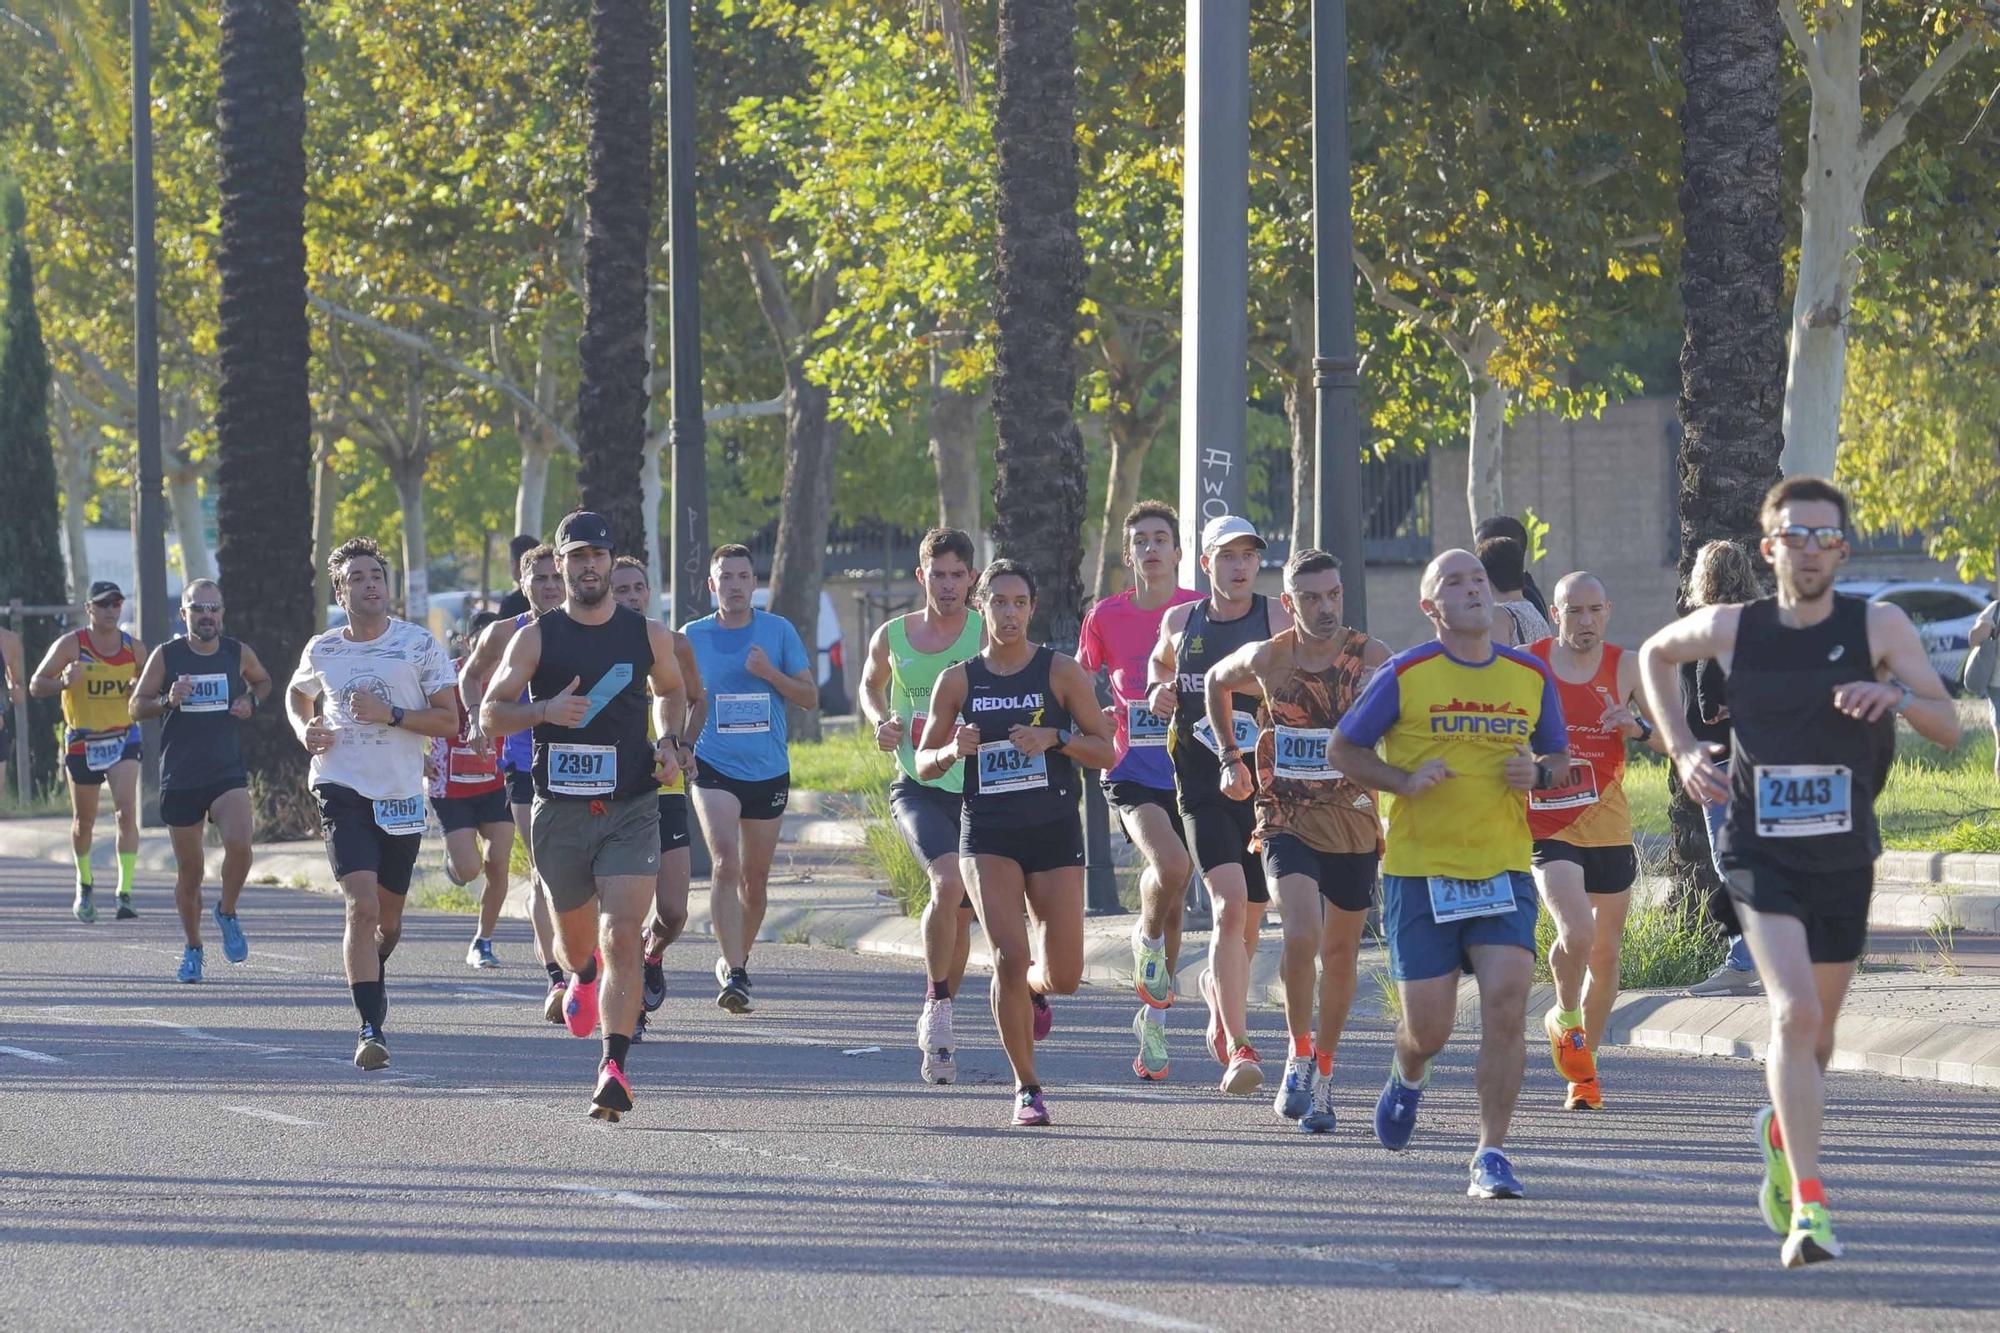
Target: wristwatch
<point x="1903" y="704"/>
<point x="395" y="716"/>
<point x="1063" y="737"/>
<point x="1645" y="728"/>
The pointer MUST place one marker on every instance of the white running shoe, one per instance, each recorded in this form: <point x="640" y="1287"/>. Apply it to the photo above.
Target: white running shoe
<point x="935" y="1038"/>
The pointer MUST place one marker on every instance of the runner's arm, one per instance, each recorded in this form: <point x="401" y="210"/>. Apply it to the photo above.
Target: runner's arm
<point x="1897" y="647"/>
<point x="1093" y="741"/>
<point x="1161" y="667"/>
<point x="481" y="664"/>
<point x="937" y="748"/>
<point x="875" y="678"/>
<point x="145" y="700"/>
<point x="502" y="713"/>
<point x="10" y="654"/>
<point x="669" y="685"/>
<point x="1707" y="632"/>
<point x="47" y="683"/>
<point x="697" y="695"/>
<point x="1234" y="674"/>
<point x="1629" y="692"/>
<point x="255" y="676"/>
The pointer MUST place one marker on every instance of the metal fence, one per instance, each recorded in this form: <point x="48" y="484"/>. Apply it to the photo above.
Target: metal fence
<point x="16" y="614"/>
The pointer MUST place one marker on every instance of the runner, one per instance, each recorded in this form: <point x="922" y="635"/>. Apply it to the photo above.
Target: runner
<point x="1011" y="711"/>
<point x="1585" y="863"/>
<point x="1320" y="834"/>
<point x="752" y="664"/>
<point x="205" y="685"/>
<point x="1117" y="639"/>
<point x="363" y="701"/>
<point x="1506" y="525"/>
<point x="94" y="671"/>
<point x="542" y="584"/>
<point x="632" y="589"/>
<point x="905" y="658"/>
<point x="469" y="796"/>
<point x="1456" y="719"/>
<point x="13" y="688"/>
<point x="1194" y="636"/>
<point x="588" y="666"/>
<point x="1815" y="683"/>
<point x="1517" y="621"/>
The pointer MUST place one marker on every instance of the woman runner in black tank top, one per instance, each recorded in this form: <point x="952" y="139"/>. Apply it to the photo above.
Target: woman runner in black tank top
<point x="1021" y="718"/>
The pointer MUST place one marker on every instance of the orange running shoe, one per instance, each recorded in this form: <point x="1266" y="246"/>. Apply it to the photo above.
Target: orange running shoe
<point x="1584" y="1097"/>
<point x="1569" y="1050"/>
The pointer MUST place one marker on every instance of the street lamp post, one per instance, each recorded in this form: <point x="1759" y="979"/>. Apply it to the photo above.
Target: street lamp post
<point x="687" y="434"/>
<point x="1336" y="373"/>
<point x="149" y="531"/>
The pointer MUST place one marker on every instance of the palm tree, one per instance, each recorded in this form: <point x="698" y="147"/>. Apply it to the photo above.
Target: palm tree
<point x="263" y="421"/>
<point x="1733" y="363"/>
<point x="618" y="205"/>
<point x="1039" y="493"/>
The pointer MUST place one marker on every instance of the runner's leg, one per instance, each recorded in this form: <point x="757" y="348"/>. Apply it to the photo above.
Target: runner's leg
<point x="1300" y="905"/>
<point x="1430" y="1006"/>
<point x="621" y="907"/>
<point x="1055" y="908"/>
<point x="999" y="895"/>
<point x="363" y="919"/>
<point x="721" y="816"/>
<point x="1602" y="988"/>
<point x="941" y="923"/>
<point x="231" y="813"/>
<point x="1339" y="964"/>
<point x="1505" y="973"/>
<point x="83" y="800"/>
<point x="1163" y="883"/>
<point x="461" y="853"/>
<point x="1800" y="1027"/>
<point x="123" y="779"/>
<point x="760" y="845"/>
<point x="189" y="864"/>
<point x="1561" y="883"/>
<point x="1228" y="898"/>
<point x="499" y="854"/>
<point x="539" y="915"/>
<point x="670" y="896"/>
<point x="388" y="925"/>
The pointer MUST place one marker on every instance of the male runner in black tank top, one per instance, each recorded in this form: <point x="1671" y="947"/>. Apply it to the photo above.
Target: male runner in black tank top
<point x="206" y="685"/>
<point x="1814" y="678"/>
<point x="1193" y="636"/>
<point x="596" y="822"/>
<point x="1024" y="718"/>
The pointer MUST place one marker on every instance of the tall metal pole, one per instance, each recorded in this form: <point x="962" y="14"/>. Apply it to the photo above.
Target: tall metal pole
<point x="149" y="555"/>
<point x="1336" y="377"/>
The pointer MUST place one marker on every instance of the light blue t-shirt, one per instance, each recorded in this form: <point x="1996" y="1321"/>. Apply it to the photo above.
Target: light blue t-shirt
<point x="744" y="735"/>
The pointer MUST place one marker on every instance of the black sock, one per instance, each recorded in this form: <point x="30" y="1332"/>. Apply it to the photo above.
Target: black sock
<point x="1038" y="999"/>
<point x="739" y="976"/>
<point x="370" y="1001"/>
<point x="1033" y="1088"/>
<point x="588" y="972"/>
<point x="556" y="975"/>
<point x="940" y="990"/>
<point x="617" y="1048"/>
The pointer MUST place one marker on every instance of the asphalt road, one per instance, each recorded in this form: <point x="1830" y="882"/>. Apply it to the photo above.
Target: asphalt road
<point x="180" y="1156"/>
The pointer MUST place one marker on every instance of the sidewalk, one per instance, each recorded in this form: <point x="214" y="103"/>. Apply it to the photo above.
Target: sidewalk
<point x="1911" y="1012"/>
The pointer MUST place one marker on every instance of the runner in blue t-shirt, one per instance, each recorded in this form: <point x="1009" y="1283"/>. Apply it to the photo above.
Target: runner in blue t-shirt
<point x="752" y="665"/>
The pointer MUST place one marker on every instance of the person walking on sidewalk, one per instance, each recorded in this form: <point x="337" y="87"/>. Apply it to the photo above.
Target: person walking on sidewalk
<point x="1816" y="681"/>
<point x="1984" y="627"/>
<point x="206" y="685"/>
<point x="905" y="658"/>
<point x="94" y="670"/>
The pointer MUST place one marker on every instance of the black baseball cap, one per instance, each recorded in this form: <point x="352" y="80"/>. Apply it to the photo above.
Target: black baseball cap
<point x="104" y="589"/>
<point x="582" y="528"/>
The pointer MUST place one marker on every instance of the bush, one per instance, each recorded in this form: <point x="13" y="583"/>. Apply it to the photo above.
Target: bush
<point x="892" y="858"/>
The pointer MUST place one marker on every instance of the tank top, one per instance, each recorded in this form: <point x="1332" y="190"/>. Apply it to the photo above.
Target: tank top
<point x="1592" y="811"/>
<point x="1299" y="791"/>
<point x="464" y="770"/>
<point x="517" y="752"/>
<point x="199" y="745"/>
<point x="97" y="703"/>
<point x="1802" y="774"/>
<point x="1203" y="643"/>
<point x="912" y="677"/>
<point x="608" y="757"/>
<point x="1003" y="787"/>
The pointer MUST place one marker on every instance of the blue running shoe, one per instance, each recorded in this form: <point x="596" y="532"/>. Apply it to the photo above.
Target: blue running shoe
<point x="85" y="909"/>
<point x="1396" y="1112"/>
<point x="190" y="966"/>
<point x="234" y="947"/>
<point x="1320" y="1119"/>
<point x="1294" y="1097"/>
<point x="1493" y="1177"/>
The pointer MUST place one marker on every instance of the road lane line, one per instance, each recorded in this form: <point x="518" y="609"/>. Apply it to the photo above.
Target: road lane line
<point x="37" y="1056"/>
<point x="503" y="994"/>
<point x="275" y="1117"/>
<point x="642" y="1202"/>
<point x="1128" y="1314"/>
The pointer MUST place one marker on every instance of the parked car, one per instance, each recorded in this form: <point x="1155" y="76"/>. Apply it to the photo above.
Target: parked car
<point x="1943" y="613"/>
<point x="831" y="668"/>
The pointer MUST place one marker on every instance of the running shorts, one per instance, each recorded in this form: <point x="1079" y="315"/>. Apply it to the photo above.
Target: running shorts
<point x="1831" y="904"/>
<point x="1219" y="831"/>
<point x="1128" y="798"/>
<point x="928" y="818"/>
<point x="82" y="775"/>
<point x="757" y="800"/>
<point x="1420" y="948"/>
<point x="1605" y="869"/>
<point x="356" y="843"/>
<point x="674" y="821"/>
<point x="463" y="812"/>
<point x="577" y="843"/>
<point x="183" y="807"/>
<point x="520" y="787"/>
<point x="1036" y="848"/>
<point x="1345" y="879"/>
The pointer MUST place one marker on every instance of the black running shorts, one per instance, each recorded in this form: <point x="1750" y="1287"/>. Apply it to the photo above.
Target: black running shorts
<point x="1832" y="904"/>
<point x="1345" y="879"/>
<point x="1605" y="869"/>
<point x="356" y="843"/>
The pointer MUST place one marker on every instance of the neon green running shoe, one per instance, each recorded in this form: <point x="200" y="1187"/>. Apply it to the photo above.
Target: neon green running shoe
<point x="1774" y="1196"/>
<point x="1150" y="977"/>
<point x="1811" y="1240"/>
<point x="1150" y="1063"/>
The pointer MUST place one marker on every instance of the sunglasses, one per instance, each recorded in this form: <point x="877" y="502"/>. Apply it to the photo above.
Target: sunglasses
<point x="1797" y="535"/>
<point x="206" y="608"/>
<point x="109" y="601"/>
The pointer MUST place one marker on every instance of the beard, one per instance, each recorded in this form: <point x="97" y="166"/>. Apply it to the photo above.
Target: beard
<point x="588" y="596"/>
<point x="206" y="633"/>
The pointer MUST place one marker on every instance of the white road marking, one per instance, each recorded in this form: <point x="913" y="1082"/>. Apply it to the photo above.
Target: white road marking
<point x="1127" y="1314"/>
<point x="275" y="1117"/>
<point x="863" y="1050"/>
<point x="476" y="991"/>
<point x="288" y="957"/>
<point x="1131" y="1094"/>
<point x="37" y="1056"/>
<point x="643" y="1202"/>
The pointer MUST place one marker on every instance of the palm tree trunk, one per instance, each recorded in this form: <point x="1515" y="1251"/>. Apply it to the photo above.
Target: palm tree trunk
<point x="1039" y="492"/>
<point x="263" y="419"/>
<point x="618" y="205"/>
<point x="1733" y="364"/>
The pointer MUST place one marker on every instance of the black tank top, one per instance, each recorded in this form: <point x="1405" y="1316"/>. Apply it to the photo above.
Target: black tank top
<point x="1203" y="643"/>
<point x="608" y="757"/>
<point x="199" y="746"/>
<point x="1003" y="787"/>
<point x="1802" y="775"/>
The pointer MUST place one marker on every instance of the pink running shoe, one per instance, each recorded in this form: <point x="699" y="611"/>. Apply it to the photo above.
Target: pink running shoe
<point x="1045" y="1019"/>
<point x="580" y="1003"/>
<point x="613" y="1097"/>
<point x="1028" y="1108"/>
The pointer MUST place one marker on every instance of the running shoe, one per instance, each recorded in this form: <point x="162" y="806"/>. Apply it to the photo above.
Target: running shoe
<point x="1727" y="980"/>
<point x="1295" y="1094"/>
<point x="234" y="947"/>
<point x="580" y="1003"/>
<point x="1045" y="1017"/>
<point x="1218" y="1043"/>
<point x="1774" y="1195"/>
<point x="1493" y="1177"/>
<point x="722" y="971"/>
<point x="655" y="993"/>
<point x="735" y="996"/>
<point x="1150" y="976"/>
<point x="1245" y="1073"/>
<point x="613" y="1097"/>
<point x="1028" y="1108"/>
<point x="190" y="965"/>
<point x="372" y="1052"/>
<point x="1320" y="1119"/>
<point x="1151" y="1061"/>
<point x="552" y="1008"/>
<point x="125" y="910"/>
<point x="85" y="909"/>
<point x="480" y="955"/>
<point x="1584" y="1097"/>
<point x="1569" y="1050"/>
<point x="1396" y="1110"/>
<point x="639" y="1028"/>
<point x="936" y="1041"/>
<point x="1811" y="1240"/>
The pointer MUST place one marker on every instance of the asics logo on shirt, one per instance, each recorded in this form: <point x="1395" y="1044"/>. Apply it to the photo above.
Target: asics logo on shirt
<point x="990" y="703"/>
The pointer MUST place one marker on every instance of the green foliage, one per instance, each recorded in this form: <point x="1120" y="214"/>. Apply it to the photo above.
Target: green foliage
<point x="845" y="761"/>
<point x="891" y="857"/>
<point x="1538" y="531"/>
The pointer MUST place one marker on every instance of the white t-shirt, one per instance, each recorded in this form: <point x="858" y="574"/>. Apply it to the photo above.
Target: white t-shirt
<point x="403" y="667"/>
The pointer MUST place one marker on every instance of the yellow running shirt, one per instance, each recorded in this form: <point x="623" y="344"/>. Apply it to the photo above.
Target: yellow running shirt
<point x="96" y="702"/>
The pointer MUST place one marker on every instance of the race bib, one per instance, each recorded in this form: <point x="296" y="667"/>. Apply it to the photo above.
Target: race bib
<point x="742" y="714"/>
<point x="915" y="735"/>
<point x="1574" y="796"/>
<point x="1144" y="729"/>
<point x="468" y="766"/>
<point x="1463" y="899"/>
<point x="400" y="816"/>
<point x="1004" y="768"/>
<point x="211" y="694"/>
<point x="1804" y="800"/>
<point x="1246" y="732"/>
<point x="101" y="752"/>
<point x="583" y="770"/>
<point x="1303" y="754"/>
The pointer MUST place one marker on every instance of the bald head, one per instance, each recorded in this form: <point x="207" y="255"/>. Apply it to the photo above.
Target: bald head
<point x="1582" y="608"/>
<point x="1454" y="593"/>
